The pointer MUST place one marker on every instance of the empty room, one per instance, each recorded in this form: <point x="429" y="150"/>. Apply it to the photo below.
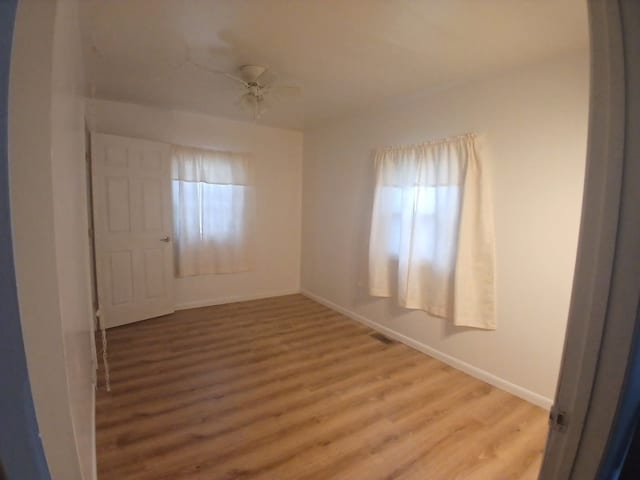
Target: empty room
<point x="277" y="239"/>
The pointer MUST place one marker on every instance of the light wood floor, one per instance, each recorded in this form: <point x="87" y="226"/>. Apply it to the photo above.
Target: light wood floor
<point x="285" y="388"/>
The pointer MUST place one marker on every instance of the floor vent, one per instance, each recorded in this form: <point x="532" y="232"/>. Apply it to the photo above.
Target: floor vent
<point x="381" y="338"/>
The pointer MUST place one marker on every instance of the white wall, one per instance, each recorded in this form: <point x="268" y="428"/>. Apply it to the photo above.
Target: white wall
<point x="278" y="164"/>
<point x="534" y="121"/>
<point x="49" y="220"/>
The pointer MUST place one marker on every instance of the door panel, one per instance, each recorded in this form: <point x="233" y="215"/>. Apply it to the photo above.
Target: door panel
<point x="132" y="215"/>
<point x="151" y="209"/>
<point x="118" y="205"/>
<point x="121" y="273"/>
<point x="154" y="278"/>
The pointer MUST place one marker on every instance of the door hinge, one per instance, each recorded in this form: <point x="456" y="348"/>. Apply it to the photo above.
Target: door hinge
<point x="558" y="419"/>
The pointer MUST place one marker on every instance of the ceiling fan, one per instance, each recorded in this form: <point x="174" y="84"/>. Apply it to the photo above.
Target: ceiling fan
<point x="259" y="87"/>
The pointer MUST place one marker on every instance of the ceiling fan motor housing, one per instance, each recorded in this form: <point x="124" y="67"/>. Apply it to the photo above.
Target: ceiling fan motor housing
<point x="251" y="73"/>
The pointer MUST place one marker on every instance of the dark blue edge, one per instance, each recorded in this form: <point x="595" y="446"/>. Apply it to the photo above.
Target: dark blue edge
<point x="622" y="457"/>
<point x="21" y="452"/>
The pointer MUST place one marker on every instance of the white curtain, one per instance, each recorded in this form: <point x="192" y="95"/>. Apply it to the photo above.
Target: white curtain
<point x="432" y="237"/>
<point x="213" y="211"/>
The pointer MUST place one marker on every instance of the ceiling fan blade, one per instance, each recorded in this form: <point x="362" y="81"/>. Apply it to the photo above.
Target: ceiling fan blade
<point x="237" y="79"/>
<point x="218" y="72"/>
<point x="267" y="78"/>
<point x="285" y="91"/>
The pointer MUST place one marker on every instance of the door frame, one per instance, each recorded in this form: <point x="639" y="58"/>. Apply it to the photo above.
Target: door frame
<point x="606" y="288"/>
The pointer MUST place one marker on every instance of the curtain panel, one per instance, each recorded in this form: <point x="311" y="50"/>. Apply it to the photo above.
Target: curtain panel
<point x="432" y="234"/>
<point x="213" y="211"/>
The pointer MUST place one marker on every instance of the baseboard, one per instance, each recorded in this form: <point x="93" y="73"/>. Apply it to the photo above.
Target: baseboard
<point x="94" y="459"/>
<point x="476" y="372"/>
<point x="234" y="299"/>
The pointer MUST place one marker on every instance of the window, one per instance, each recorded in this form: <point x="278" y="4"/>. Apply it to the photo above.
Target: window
<point x="215" y="210"/>
<point x="213" y="200"/>
<point x="424" y="203"/>
<point x="431" y="241"/>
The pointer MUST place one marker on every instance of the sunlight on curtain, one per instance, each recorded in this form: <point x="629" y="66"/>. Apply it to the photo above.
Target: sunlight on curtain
<point x="213" y="210"/>
<point x="432" y="239"/>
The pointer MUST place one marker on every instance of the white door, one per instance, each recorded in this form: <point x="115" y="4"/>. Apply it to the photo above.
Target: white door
<point x="132" y="222"/>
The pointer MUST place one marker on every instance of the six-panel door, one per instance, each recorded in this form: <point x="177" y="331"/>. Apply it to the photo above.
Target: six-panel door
<point x="132" y="215"/>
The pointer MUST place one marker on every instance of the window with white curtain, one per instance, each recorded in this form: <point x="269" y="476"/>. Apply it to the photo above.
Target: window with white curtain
<point x="423" y="202"/>
<point x="213" y="210"/>
<point x="432" y="240"/>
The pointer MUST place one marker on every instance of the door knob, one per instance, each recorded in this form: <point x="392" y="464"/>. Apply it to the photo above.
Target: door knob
<point x="165" y="239"/>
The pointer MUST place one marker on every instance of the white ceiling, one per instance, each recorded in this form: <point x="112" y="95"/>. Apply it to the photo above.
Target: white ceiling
<point x="345" y="54"/>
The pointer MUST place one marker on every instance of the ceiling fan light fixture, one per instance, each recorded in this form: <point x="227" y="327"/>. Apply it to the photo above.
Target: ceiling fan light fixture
<point x="255" y="104"/>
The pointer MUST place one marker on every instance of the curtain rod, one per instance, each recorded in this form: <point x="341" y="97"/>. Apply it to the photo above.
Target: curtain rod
<point x="430" y="142"/>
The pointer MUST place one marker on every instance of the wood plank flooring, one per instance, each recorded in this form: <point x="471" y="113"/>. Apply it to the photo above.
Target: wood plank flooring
<point x="285" y="388"/>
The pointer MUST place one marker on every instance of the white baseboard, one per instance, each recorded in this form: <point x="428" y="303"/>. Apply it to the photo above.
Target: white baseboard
<point x="233" y="299"/>
<point x="476" y="372"/>
<point x="94" y="457"/>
